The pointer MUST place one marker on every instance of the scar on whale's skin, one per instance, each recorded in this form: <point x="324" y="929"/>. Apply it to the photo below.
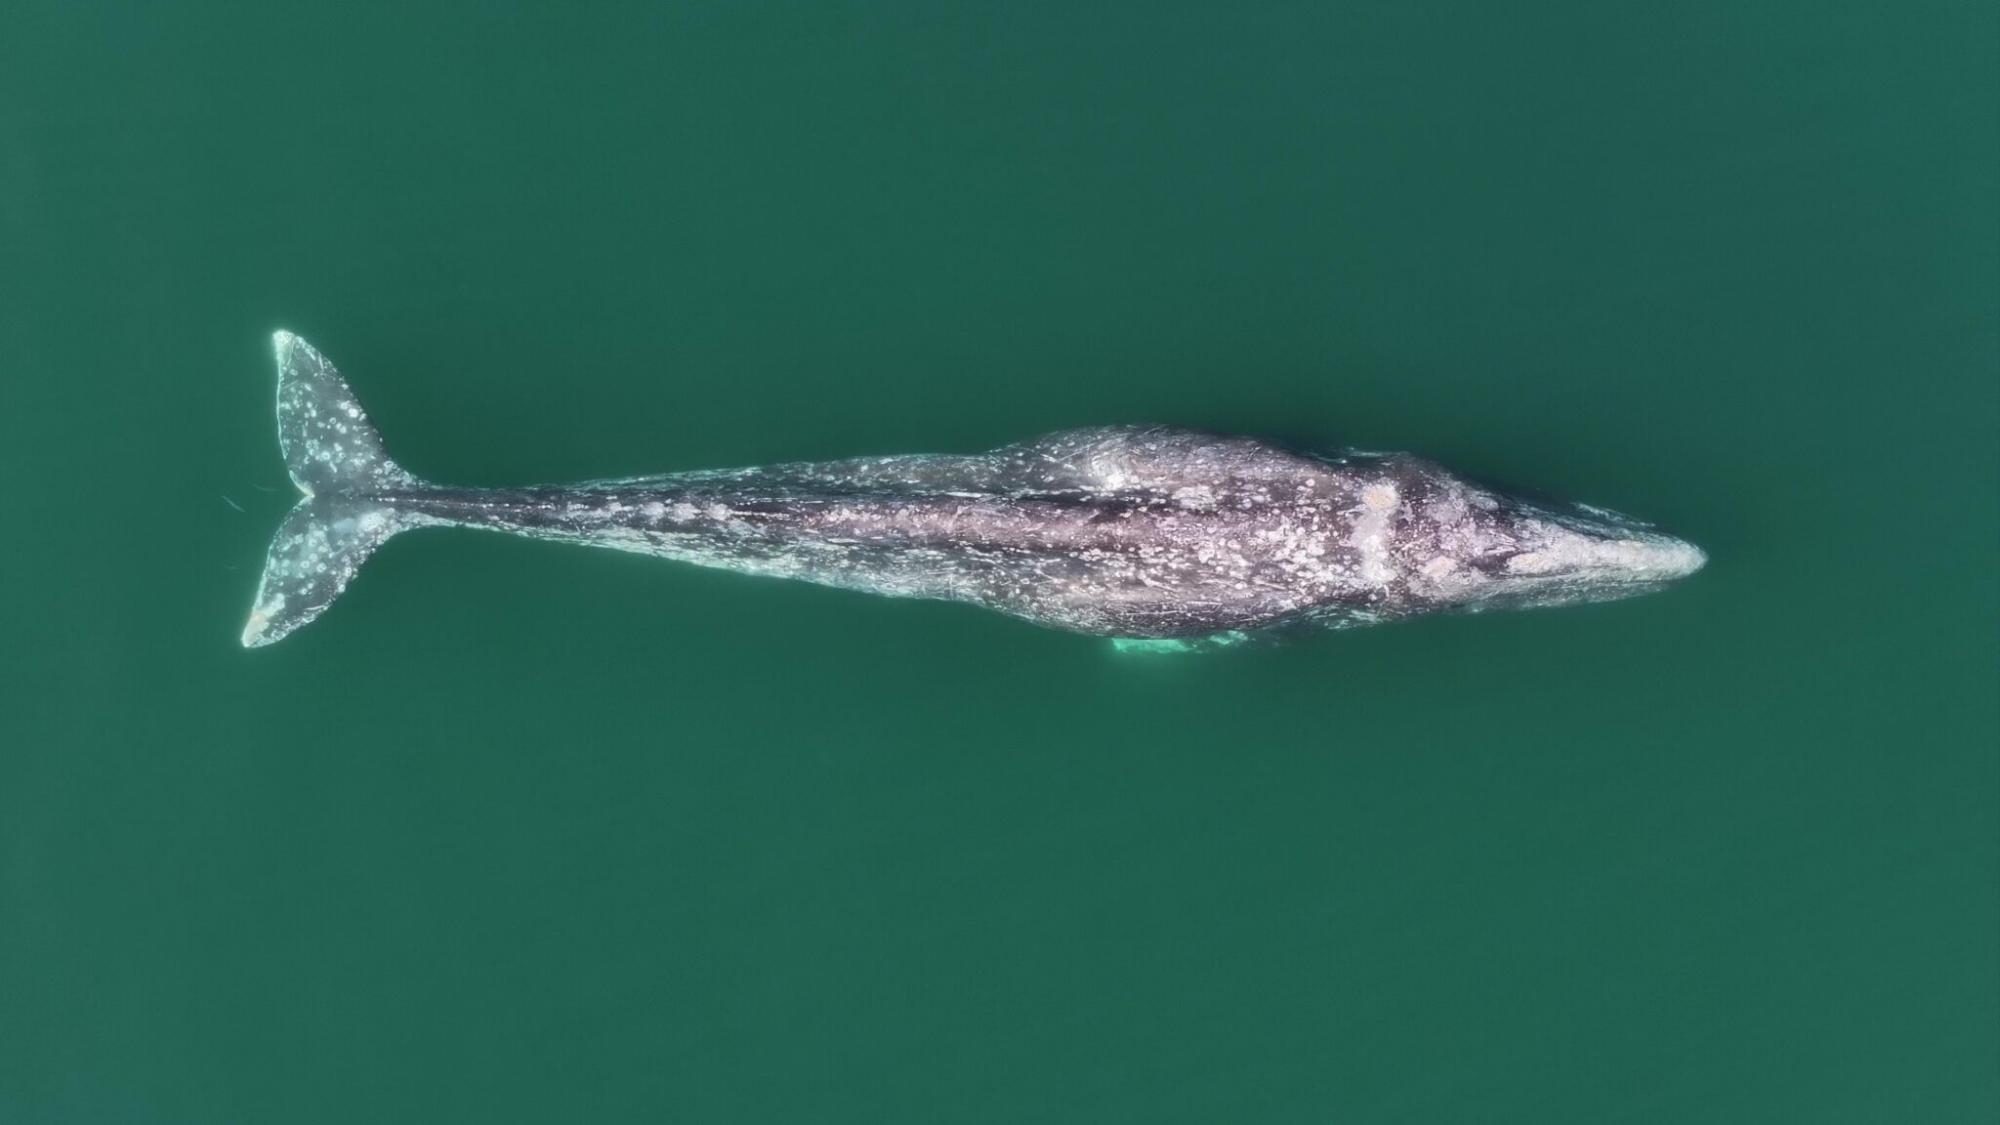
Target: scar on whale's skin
<point x="1155" y="536"/>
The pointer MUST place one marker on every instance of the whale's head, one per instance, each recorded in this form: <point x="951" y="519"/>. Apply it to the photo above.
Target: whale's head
<point x="1533" y="554"/>
<point x="1549" y="554"/>
<point x="1475" y="548"/>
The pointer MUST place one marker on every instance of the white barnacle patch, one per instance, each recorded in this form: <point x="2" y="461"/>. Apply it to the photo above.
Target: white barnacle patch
<point x="1534" y="562"/>
<point x="1370" y="534"/>
<point x="1197" y="497"/>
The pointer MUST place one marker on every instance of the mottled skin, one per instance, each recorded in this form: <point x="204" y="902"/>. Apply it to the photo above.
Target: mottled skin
<point x="1120" y="531"/>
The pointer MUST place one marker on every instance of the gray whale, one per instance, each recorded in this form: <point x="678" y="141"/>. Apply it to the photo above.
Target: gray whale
<point x="1147" y="534"/>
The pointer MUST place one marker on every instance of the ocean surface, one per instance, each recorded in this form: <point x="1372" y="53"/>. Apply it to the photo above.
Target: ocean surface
<point x="525" y="833"/>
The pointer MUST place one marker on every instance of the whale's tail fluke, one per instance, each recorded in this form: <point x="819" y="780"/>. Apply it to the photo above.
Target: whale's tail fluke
<point x="336" y="458"/>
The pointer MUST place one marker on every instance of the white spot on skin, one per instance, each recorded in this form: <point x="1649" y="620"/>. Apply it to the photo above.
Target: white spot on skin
<point x="1370" y="535"/>
<point x="1533" y="562"/>
<point x="1199" y="497"/>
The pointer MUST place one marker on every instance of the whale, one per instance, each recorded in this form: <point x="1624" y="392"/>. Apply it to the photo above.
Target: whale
<point x="1157" y="537"/>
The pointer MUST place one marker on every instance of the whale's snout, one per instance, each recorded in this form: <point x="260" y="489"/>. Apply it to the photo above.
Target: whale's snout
<point x="1670" y="558"/>
<point x="1614" y="555"/>
<point x="1550" y="555"/>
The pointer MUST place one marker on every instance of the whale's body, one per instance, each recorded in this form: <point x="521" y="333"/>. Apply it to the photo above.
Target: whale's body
<point x="1126" y="532"/>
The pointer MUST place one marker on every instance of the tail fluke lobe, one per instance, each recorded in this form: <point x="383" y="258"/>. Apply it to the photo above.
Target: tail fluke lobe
<point x="315" y="553"/>
<point x="337" y="459"/>
<point x="325" y="436"/>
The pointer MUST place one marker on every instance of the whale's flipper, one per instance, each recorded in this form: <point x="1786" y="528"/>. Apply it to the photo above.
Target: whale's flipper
<point x="336" y="458"/>
<point x="1175" y="646"/>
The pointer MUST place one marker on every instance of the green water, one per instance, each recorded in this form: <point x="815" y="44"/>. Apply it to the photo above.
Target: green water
<point x="519" y="832"/>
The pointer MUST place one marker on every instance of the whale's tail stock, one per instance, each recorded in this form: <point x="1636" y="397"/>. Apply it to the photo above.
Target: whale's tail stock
<point x="336" y="459"/>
